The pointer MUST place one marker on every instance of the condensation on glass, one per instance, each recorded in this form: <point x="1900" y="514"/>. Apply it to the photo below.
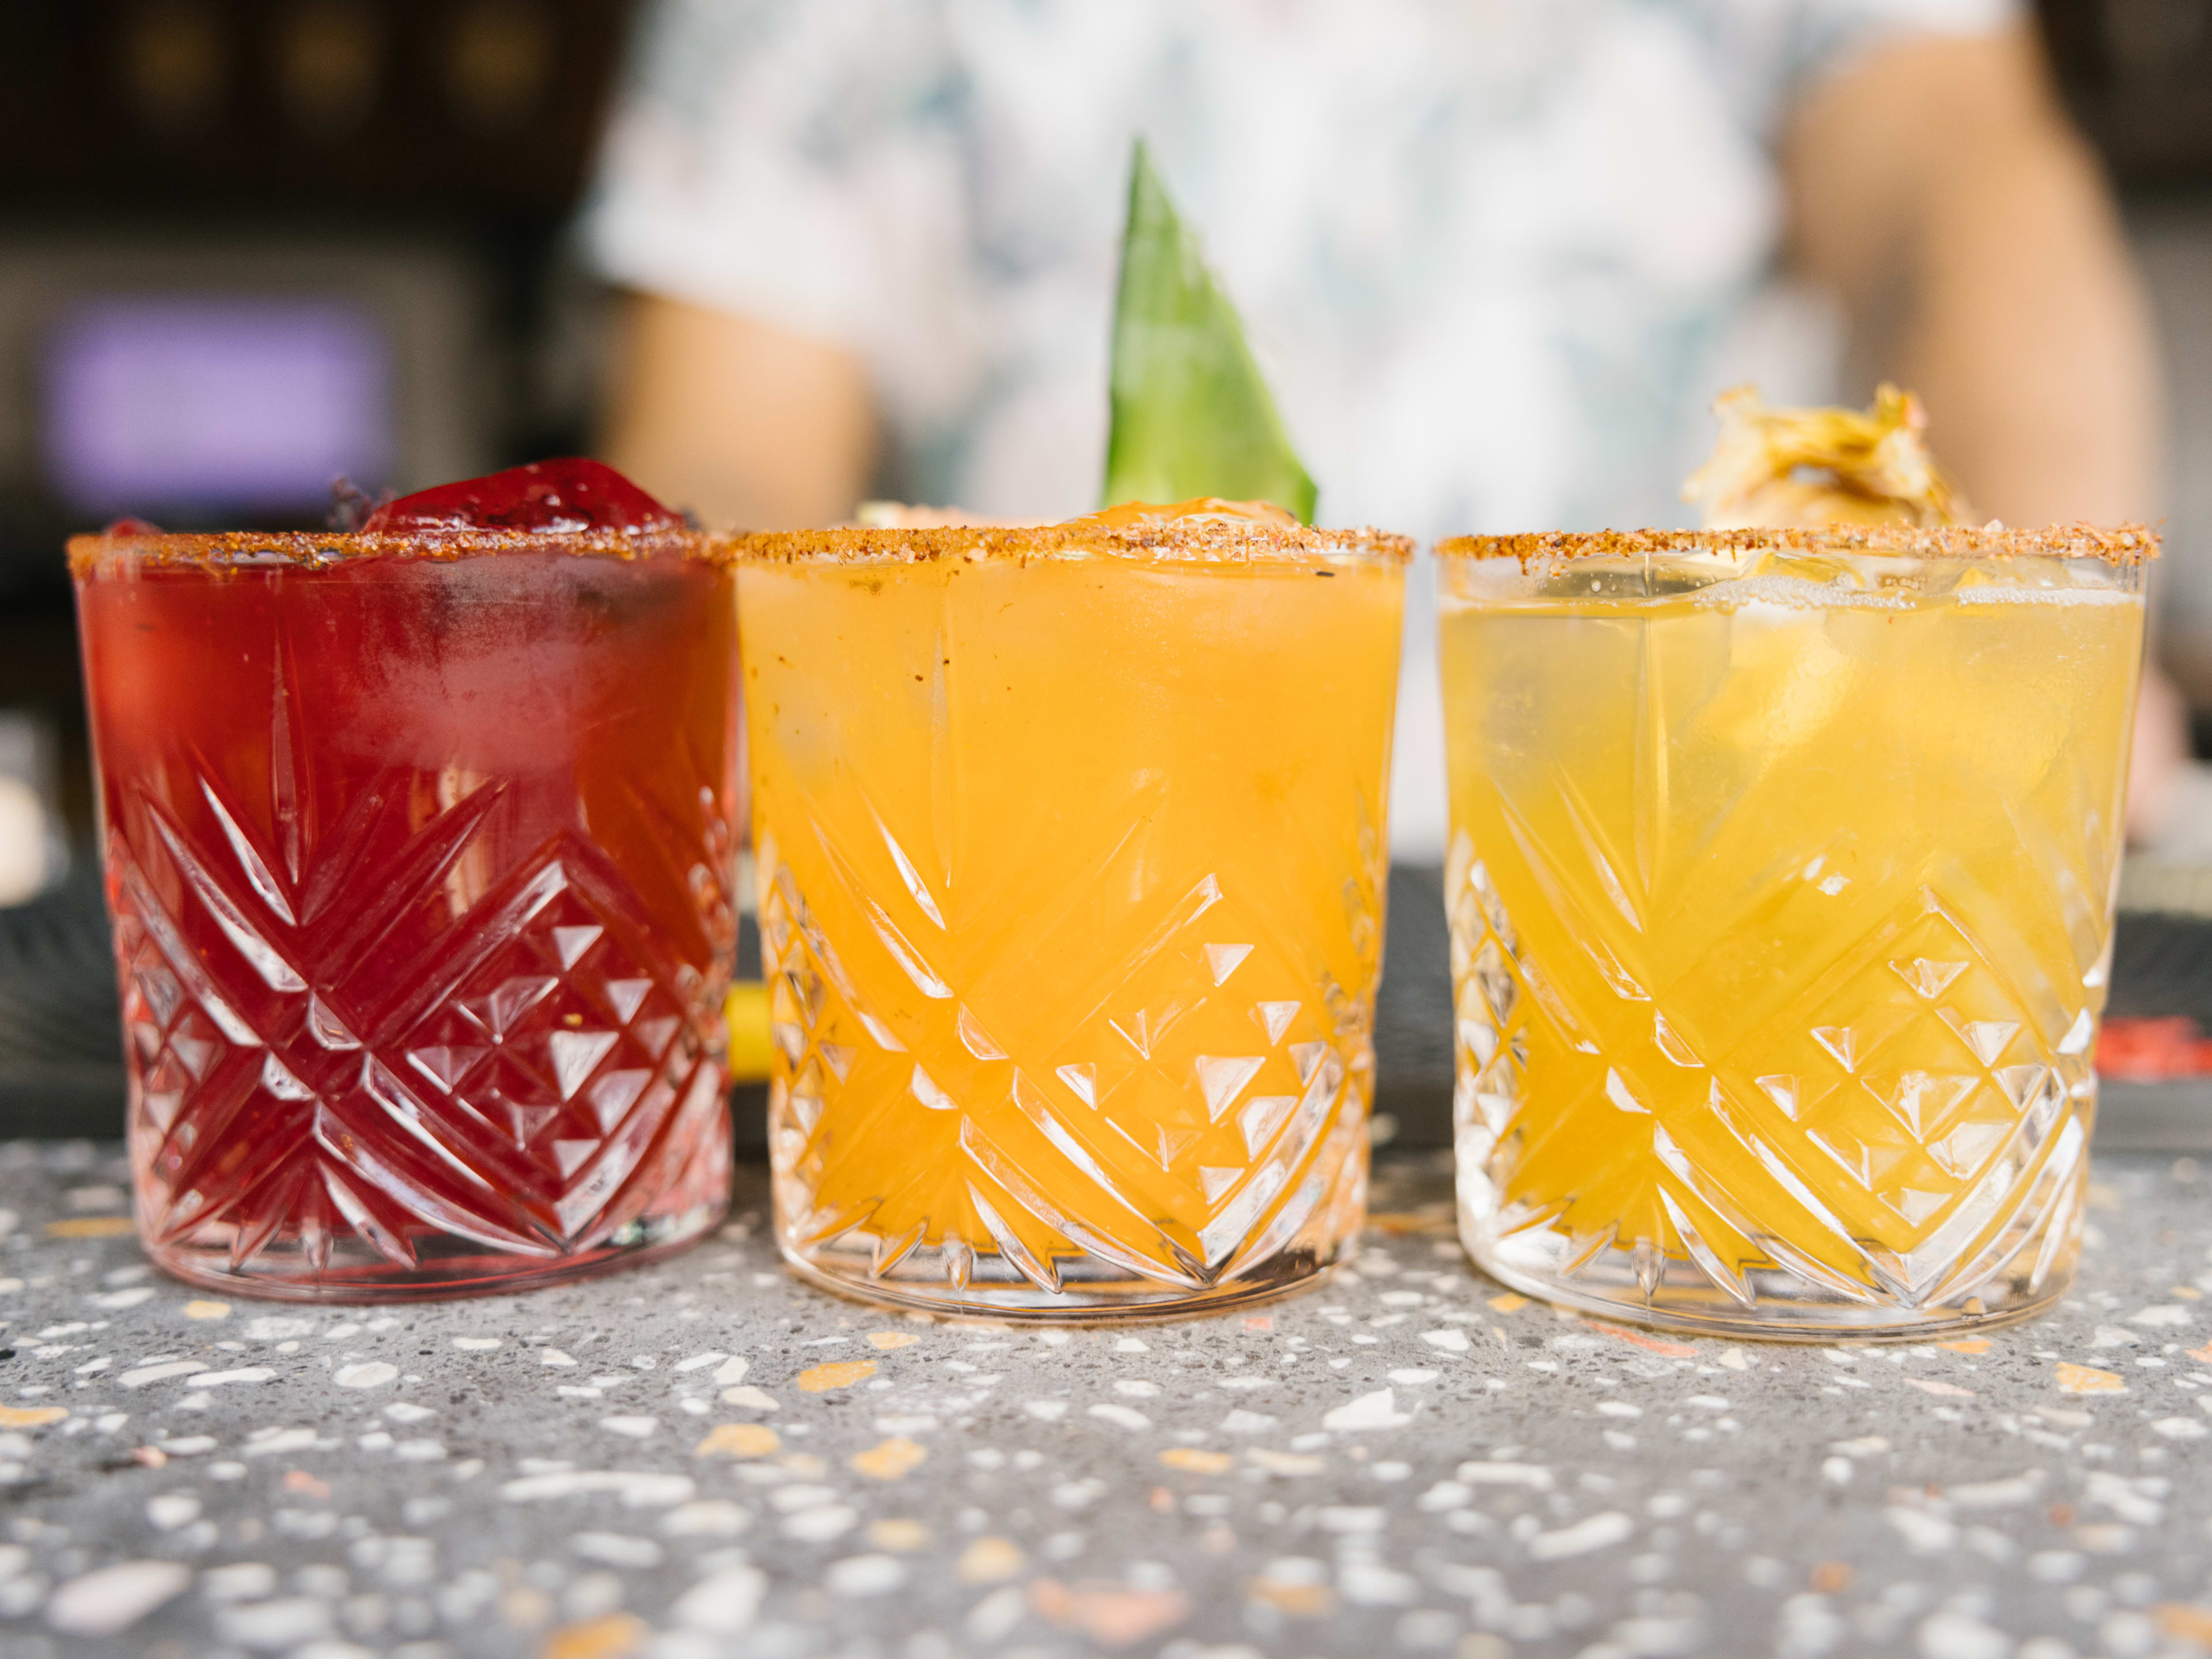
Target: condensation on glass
<point x="419" y="853"/>
<point x="1781" y="885"/>
<point x="1071" y="856"/>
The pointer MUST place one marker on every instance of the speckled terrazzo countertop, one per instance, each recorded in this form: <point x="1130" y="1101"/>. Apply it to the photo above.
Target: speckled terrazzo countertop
<point x="704" y="1459"/>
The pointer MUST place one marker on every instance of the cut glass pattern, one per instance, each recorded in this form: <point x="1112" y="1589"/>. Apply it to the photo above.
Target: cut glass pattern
<point x="1901" y="1146"/>
<point x="346" y="1099"/>
<point x="1179" y="1124"/>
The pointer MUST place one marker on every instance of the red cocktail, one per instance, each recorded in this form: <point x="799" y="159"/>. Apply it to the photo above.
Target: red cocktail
<point x="418" y="844"/>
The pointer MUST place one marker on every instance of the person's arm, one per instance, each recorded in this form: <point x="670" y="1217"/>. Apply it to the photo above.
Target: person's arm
<point x="745" y="425"/>
<point x="1937" y="186"/>
<point x="1938" y="189"/>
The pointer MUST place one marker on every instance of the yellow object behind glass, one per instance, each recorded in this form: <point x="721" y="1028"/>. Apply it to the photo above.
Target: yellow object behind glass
<point x="745" y="1011"/>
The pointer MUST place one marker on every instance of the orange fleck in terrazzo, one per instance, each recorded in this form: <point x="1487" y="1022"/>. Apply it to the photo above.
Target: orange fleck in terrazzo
<point x="1109" y="1614"/>
<point x="2184" y="1622"/>
<point x="1659" y="1345"/>
<point x="1300" y="1601"/>
<point x="91" y="1226"/>
<point x="739" y="1440"/>
<point x="1191" y="1460"/>
<point x="838" y="1373"/>
<point x="2086" y="1379"/>
<point x="891" y="1460"/>
<point x="900" y="1535"/>
<point x="610" y="1637"/>
<point x="988" y="1560"/>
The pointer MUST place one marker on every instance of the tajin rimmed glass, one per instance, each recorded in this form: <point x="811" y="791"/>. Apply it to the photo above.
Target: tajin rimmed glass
<point x="1072" y="868"/>
<point x="419" y="852"/>
<point x="1781" y="885"/>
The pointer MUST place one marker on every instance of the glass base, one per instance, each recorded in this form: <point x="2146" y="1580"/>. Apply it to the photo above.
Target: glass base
<point x="446" y="1266"/>
<point x="1674" y="1307"/>
<point x="1111" y="1296"/>
<point x="2025" y="1268"/>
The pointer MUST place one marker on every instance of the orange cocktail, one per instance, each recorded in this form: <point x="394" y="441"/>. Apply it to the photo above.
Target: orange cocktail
<point x="1071" y="856"/>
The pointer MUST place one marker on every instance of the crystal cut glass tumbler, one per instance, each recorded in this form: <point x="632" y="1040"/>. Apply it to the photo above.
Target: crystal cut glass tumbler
<point x="1070" y="858"/>
<point x="418" y="850"/>
<point x="1781" y="885"/>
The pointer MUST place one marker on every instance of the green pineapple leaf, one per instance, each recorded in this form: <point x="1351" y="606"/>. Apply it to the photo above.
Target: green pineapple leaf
<point x="1191" y="414"/>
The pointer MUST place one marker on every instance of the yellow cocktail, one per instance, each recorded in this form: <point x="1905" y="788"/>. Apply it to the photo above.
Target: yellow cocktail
<point x="1781" y="886"/>
<point x="1071" y="852"/>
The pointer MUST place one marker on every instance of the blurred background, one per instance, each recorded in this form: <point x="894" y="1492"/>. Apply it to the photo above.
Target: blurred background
<point x="247" y="245"/>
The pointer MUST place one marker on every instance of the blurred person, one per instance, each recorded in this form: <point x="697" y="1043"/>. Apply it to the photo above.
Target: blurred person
<point x="1496" y="256"/>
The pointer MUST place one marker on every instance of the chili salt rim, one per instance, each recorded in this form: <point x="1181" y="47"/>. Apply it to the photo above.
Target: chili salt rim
<point x="249" y="550"/>
<point x="2124" y="545"/>
<point x="1223" y="540"/>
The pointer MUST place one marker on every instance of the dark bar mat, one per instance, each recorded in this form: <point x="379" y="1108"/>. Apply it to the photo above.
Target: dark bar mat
<point x="2162" y="966"/>
<point x="2154" y="1117"/>
<point x="1413" y="1011"/>
<point x="61" y="1057"/>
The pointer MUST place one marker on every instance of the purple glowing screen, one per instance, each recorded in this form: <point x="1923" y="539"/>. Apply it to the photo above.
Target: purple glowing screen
<point x="213" y="403"/>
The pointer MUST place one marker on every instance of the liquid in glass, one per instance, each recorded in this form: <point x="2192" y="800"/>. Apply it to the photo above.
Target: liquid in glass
<point x="1781" y="885"/>
<point x="418" y="853"/>
<point x="1071" y="857"/>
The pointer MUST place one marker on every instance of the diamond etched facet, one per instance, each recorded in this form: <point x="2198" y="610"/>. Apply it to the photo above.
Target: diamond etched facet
<point x="1222" y="960"/>
<point x="1221" y="1080"/>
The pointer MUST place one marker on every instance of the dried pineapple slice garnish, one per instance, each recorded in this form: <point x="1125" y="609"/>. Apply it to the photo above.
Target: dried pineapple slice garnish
<point x="1775" y="468"/>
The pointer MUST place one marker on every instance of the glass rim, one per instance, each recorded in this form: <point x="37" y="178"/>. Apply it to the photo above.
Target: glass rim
<point x="317" y="550"/>
<point x="1222" y="541"/>
<point x="2124" y="545"/>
